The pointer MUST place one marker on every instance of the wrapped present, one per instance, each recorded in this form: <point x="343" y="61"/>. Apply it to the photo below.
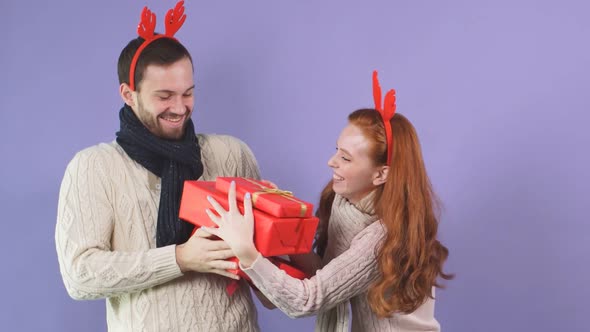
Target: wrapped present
<point x="281" y="263"/>
<point x="273" y="236"/>
<point x="276" y="202"/>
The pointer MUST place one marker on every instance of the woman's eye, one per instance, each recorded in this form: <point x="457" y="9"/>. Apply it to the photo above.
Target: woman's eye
<point x="164" y="97"/>
<point x="345" y="159"/>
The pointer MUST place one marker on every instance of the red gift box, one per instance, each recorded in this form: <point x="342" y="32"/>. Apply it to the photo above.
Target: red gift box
<point x="279" y="262"/>
<point x="276" y="202"/>
<point x="282" y="264"/>
<point x="273" y="236"/>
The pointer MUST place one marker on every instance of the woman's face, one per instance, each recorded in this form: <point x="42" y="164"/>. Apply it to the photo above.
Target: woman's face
<point x="355" y="174"/>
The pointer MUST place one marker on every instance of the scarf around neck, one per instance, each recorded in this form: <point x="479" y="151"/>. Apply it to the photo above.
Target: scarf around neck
<point x="346" y="221"/>
<point x="173" y="161"/>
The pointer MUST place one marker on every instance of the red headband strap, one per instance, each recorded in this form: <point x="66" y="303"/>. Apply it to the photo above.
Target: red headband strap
<point x="386" y="112"/>
<point x="147" y="25"/>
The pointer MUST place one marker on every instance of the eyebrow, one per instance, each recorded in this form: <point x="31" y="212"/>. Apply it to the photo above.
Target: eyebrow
<point x="345" y="151"/>
<point x="172" y="92"/>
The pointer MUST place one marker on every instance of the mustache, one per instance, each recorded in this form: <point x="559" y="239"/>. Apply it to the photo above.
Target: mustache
<point x="174" y="115"/>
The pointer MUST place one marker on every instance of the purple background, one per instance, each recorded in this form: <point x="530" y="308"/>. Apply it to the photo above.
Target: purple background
<point x="498" y="91"/>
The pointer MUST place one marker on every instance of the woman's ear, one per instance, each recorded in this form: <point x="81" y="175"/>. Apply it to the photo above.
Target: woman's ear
<point x="381" y="175"/>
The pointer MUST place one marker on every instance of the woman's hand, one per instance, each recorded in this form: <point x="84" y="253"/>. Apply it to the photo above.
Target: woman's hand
<point x="235" y="229"/>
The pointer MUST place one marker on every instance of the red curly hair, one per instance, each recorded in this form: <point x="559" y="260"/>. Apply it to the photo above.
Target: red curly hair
<point x="411" y="258"/>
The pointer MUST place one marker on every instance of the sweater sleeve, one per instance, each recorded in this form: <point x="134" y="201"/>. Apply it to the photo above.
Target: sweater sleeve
<point x="85" y="222"/>
<point x="309" y="263"/>
<point x="225" y="155"/>
<point x="247" y="164"/>
<point x="343" y="278"/>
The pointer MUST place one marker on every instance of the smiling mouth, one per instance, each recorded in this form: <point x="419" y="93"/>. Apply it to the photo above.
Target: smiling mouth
<point x="337" y="178"/>
<point x="173" y="120"/>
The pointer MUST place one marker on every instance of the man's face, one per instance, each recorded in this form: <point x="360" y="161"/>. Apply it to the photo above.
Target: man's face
<point x="165" y="99"/>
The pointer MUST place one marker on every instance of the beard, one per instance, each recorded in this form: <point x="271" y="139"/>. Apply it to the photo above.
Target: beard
<point x="152" y="123"/>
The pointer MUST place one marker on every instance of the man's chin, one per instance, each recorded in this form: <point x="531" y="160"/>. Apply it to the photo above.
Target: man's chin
<point x="175" y="135"/>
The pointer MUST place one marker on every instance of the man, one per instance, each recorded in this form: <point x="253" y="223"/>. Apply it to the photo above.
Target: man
<point x="118" y="235"/>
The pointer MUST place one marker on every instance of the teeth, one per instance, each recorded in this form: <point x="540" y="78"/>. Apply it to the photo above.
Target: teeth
<point x="338" y="178"/>
<point x="172" y="119"/>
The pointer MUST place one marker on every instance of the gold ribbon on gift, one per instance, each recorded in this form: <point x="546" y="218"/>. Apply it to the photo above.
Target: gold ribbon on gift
<point x="276" y="191"/>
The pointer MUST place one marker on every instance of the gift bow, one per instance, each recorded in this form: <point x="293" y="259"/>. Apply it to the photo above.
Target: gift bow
<point x="276" y="191"/>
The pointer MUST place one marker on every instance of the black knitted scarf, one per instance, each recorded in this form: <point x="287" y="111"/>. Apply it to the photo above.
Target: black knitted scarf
<point x="172" y="161"/>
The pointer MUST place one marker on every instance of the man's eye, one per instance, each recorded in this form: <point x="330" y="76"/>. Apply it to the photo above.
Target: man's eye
<point x="188" y="95"/>
<point x="164" y="97"/>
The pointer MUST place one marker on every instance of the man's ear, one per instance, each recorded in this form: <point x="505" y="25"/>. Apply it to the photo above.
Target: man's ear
<point x="381" y="175"/>
<point x="128" y="95"/>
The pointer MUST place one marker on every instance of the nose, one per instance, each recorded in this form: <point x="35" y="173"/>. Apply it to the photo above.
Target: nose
<point x="178" y="106"/>
<point x="332" y="161"/>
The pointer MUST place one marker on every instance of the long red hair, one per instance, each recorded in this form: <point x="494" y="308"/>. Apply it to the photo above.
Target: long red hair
<point x="411" y="258"/>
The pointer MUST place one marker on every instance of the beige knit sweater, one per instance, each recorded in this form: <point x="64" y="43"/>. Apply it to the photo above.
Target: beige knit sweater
<point x="349" y="269"/>
<point x="105" y="241"/>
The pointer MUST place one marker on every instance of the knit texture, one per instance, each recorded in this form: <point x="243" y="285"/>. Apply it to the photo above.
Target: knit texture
<point x="350" y="267"/>
<point x="106" y="244"/>
<point x="172" y="161"/>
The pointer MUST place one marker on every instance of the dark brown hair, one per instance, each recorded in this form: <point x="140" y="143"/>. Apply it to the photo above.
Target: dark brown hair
<point x="163" y="51"/>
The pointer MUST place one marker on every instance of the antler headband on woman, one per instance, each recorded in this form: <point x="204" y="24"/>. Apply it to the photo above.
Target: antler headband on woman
<point x="174" y="19"/>
<point x="387" y="111"/>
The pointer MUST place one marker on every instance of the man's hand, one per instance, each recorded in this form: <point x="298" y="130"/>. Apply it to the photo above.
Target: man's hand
<point x="201" y="254"/>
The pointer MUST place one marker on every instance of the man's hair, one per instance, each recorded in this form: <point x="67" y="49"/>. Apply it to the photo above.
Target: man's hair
<point x="163" y="51"/>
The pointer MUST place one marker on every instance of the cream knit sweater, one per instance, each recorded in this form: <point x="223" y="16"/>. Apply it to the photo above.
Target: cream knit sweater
<point x="350" y="267"/>
<point x="105" y="241"/>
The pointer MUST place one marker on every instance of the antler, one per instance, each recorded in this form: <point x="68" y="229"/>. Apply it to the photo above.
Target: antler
<point x="388" y="109"/>
<point x="376" y="91"/>
<point x="175" y="19"/>
<point x="146" y="28"/>
<point x="147" y="24"/>
<point x="387" y="112"/>
<point x="389" y="105"/>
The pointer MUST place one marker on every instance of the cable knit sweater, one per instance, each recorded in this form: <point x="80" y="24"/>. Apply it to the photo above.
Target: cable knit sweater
<point x="350" y="267"/>
<point x="105" y="241"/>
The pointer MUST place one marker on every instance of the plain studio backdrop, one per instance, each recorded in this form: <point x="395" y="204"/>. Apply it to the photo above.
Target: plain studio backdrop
<point x="498" y="92"/>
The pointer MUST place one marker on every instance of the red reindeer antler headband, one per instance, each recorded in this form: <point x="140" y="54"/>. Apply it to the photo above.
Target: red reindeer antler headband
<point x="387" y="111"/>
<point x="147" y="25"/>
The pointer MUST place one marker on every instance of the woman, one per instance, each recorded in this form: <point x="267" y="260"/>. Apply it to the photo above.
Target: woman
<point x="376" y="244"/>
